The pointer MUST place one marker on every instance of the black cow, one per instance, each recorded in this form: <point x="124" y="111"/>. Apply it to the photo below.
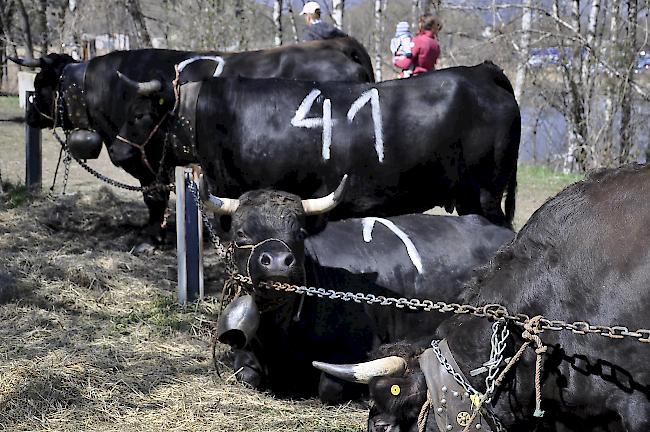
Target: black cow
<point x="413" y="256"/>
<point x="449" y="137"/>
<point x="583" y="256"/>
<point x="93" y="97"/>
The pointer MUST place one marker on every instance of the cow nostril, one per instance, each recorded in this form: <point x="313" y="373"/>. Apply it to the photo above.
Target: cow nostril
<point x="265" y="259"/>
<point x="289" y="260"/>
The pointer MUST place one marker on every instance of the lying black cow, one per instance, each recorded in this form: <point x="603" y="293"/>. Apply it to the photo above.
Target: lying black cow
<point x="583" y="256"/>
<point x="449" y="138"/>
<point x="93" y="97"/>
<point x="415" y="255"/>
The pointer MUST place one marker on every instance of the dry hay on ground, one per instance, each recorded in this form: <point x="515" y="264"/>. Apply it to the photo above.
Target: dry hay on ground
<point x="91" y="337"/>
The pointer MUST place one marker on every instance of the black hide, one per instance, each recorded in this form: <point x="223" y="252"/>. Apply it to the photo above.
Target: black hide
<point x="450" y="138"/>
<point x="339" y="258"/>
<point x="583" y="256"/>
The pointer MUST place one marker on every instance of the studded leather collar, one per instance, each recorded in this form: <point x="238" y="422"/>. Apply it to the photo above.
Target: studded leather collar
<point x="73" y="80"/>
<point x="451" y="405"/>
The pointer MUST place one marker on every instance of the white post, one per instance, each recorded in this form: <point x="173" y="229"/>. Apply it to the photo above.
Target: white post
<point x="189" y="238"/>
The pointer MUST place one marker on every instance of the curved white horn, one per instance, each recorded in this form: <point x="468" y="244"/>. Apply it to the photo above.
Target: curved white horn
<point x="225" y="206"/>
<point x="322" y="205"/>
<point x="143" y="88"/>
<point x="363" y="372"/>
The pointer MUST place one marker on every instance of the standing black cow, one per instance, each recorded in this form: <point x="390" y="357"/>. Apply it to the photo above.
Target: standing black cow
<point x="91" y="96"/>
<point x="449" y="137"/>
<point x="412" y="256"/>
<point x="583" y="256"/>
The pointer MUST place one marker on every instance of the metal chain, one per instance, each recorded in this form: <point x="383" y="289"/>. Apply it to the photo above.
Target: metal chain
<point x="58" y="113"/>
<point x="214" y="238"/>
<point x="498" y="344"/>
<point x="492" y="311"/>
<point x="460" y="379"/>
<point x="66" y="172"/>
<point x="110" y="181"/>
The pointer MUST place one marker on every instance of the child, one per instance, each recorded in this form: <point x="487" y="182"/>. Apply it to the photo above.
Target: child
<point x="400" y="47"/>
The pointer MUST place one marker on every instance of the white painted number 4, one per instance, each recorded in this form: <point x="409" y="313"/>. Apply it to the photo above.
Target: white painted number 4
<point x="326" y="122"/>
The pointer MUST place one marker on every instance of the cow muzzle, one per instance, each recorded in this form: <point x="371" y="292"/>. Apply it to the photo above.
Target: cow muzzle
<point x="273" y="259"/>
<point x="238" y="324"/>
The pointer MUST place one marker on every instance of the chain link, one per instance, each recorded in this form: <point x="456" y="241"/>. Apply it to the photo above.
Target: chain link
<point x="214" y="238"/>
<point x="491" y="311"/>
<point x="498" y="343"/>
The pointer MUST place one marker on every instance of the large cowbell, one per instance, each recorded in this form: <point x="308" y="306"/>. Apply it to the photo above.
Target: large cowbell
<point x="183" y="136"/>
<point x="83" y="142"/>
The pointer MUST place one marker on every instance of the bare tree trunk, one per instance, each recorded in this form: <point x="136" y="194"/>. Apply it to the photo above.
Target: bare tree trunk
<point x="42" y="20"/>
<point x="522" y="65"/>
<point x="240" y="17"/>
<point x="277" y="21"/>
<point x="27" y="27"/>
<point x="6" y="19"/>
<point x="135" y="11"/>
<point x="294" y="27"/>
<point x="415" y="15"/>
<point x="337" y="12"/>
<point x="612" y="88"/>
<point x="379" y="15"/>
<point x="626" y="103"/>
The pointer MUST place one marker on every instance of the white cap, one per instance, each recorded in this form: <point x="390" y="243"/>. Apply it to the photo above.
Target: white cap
<point x="310" y="8"/>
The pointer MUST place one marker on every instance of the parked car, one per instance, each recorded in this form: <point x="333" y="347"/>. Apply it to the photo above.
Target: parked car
<point x="642" y="62"/>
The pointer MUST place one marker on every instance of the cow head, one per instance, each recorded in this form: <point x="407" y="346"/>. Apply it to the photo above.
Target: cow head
<point x="143" y="116"/>
<point x="269" y="230"/>
<point x="397" y="386"/>
<point x="46" y="84"/>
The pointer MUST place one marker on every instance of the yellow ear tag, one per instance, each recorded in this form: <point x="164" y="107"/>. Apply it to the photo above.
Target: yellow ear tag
<point x="476" y="400"/>
<point x="394" y="390"/>
<point x="161" y="101"/>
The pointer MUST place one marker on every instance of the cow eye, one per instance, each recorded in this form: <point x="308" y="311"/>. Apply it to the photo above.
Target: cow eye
<point x="302" y="234"/>
<point x="139" y="116"/>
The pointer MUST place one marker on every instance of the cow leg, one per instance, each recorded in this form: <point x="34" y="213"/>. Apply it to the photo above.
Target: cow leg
<point x="468" y="200"/>
<point x="491" y="208"/>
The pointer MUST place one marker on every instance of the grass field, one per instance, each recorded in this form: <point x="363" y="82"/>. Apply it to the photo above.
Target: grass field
<point x="91" y="337"/>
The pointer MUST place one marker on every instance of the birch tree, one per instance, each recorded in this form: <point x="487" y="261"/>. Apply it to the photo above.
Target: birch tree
<point x="135" y="11"/>
<point x="379" y="17"/>
<point x="415" y="14"/>
<point x="626" y="100"/>
<point x="277" y="21"/>
<point x="337" y="12"/>
<point x="522" y="65"/>
<point x="612" y="87"/>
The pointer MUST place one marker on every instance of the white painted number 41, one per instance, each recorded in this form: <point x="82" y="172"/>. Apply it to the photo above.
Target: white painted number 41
<point x="300" y="119"/>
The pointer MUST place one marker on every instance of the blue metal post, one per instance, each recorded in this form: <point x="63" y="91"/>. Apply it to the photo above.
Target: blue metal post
<point x="33" y="151"/>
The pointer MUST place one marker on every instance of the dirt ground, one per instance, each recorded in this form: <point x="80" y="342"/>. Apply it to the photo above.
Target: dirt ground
<point x="91" y="337"/>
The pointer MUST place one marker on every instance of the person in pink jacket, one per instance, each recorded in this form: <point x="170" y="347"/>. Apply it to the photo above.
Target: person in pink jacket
<point x="425" y="49"/>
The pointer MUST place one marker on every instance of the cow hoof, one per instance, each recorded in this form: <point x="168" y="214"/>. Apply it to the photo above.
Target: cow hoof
<point x="142" y="249"/>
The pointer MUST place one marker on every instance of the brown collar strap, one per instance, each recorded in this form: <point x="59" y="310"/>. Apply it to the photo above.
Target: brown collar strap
<point x="451" y="404"/>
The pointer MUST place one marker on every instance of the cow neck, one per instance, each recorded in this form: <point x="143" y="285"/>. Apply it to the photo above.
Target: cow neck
<point x="448" y="402"/>
<point x="72" y="97"/>
<point x="184" y="136"/>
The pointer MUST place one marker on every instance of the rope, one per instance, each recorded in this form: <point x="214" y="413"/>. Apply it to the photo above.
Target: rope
<point x="531" y="332"/>
<point x="424" y="413"/>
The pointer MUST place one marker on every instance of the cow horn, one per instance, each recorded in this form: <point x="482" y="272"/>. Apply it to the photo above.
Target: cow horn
<point x="225" y="206"/>
<point x="363" y="372"/>
<point x="27" y="62"/>
<point x="143" y="88"/>
<point x="323" y="205"/>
